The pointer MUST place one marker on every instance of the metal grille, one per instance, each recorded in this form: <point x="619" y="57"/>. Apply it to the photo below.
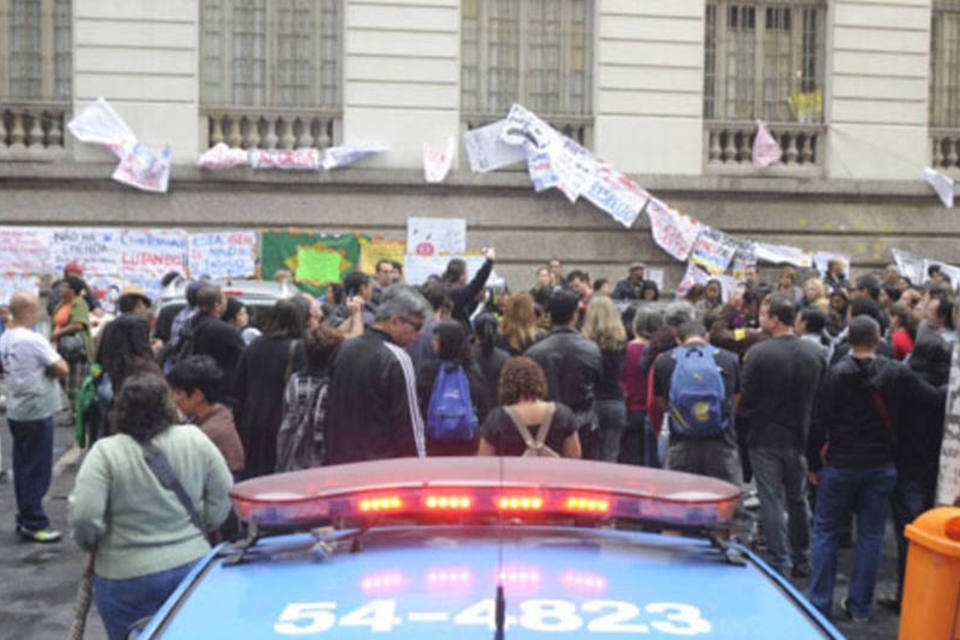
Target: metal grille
<point x="276" y="53"/>
<point x="537" y="52"/>
<point x="764" y="60"/>
<point x="945" y="64"/>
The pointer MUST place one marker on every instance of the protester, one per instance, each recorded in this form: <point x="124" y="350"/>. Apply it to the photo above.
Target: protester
<point x="601" y="286"/>
<point x="71" y="335"/>
<point x="196" y="382"/>
<point x="374" y="412"/>
<point x="781" y="377"/>
<point x="488" y="356"/>
<point x="903" y="330"/>
<point x="813" y="292"/>
<point x="698" y="385"/>
<point x="144" y="539"/>
<point x="181" y="320"/>
<point x="602" y="325"/>
<point x="712" y="296"/>
<point x="573" y="367"/>
<point x="631" y="287"/>
<point x="300" y="438"/>
<point x="464" y="295"/>
<point x="862" y="407"/>
<point x="357" y="287"/>
<point x="556" y="273"/>
<point x="650" y="291"/>
<point x="519" y="327"/>
<point x="453" y="355"/>
<point x="523" y="405"/>
<point x="638" y="437"/>
<point x="31" y="367"/>
<point x="834" y="278"/>
<point x="384" y="276"/>
<point x="262" y="374"/>
<point x="441" y="305"/>
<point x="207" y="334"/>
<point x="811" y="326"/>
<point x="72" y="269"/>
<point x="788" y="285"/>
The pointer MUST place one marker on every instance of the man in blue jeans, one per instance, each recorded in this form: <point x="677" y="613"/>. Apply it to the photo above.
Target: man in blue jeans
<point x="31" y="365"/>
<point x="862" y="400"/>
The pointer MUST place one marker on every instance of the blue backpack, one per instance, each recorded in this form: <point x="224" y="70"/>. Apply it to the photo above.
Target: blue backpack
<point x="697" y="393"/>
<point x="450" y="413"/>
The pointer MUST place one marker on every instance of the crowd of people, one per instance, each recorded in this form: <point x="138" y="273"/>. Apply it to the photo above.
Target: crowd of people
<point x="820" y="391"/>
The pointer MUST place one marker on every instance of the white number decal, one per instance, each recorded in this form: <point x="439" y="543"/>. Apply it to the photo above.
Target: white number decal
<point x="481" y="613"/>
<point x="549" y="615"/>
<point x="379" y="615"/>
<point x="684" y="614"/>
<point x="615" y="622"/>
<point x="305" y="618"/>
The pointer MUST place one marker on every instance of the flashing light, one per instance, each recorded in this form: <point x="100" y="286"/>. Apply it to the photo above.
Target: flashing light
<point x="520" y="503"/>
<point x="383" y="503"/>
<point x="445" y="502"/>
<point x="585" y="581"/>
<point x="520" y="575"/>
<point x="587" y="504"/>
<point x="448" y="577"/>
<point x="382" y="581"/>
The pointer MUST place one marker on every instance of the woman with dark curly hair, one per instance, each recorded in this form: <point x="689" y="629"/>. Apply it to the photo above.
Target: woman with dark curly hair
<point x="145" y="540"/>
<point x="523" y="393"/>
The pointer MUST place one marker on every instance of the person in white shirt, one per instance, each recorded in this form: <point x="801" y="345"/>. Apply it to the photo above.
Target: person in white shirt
<point x="31" y="365"/>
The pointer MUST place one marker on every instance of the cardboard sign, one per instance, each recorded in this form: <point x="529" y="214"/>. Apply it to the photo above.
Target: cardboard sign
<point x="713" y="250"/>
<point x="432" y="236"/>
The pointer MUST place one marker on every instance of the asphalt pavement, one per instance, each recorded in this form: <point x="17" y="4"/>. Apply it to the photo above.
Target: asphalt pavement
<point x="38" y="583"/>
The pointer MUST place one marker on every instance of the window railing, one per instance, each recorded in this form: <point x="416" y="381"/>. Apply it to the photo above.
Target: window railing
<point x="33" y="130"/>
<point x="728" y="146"/>
<point x="579" y="128"/>
<point x="262" y="128"/>
<point x="945" y="146"/>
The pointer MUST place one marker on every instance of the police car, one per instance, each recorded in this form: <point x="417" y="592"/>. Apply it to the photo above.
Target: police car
<point x="485" y="548"/>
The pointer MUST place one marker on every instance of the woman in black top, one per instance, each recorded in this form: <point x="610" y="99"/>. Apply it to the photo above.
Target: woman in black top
<point x="523" y="387"/>
<point x="603" y="326"/>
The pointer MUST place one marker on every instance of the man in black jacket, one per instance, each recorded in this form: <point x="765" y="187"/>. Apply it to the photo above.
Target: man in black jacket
<point x="631" y="287"/>
<point x="572" y="365"/>
<point x="862" y="407"/>
<point x="466" y="296"/>
<point x="373" y="412"/>
<point x="208" y="335"/>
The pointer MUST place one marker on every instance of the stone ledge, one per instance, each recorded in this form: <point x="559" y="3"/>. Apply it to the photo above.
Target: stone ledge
<point x="183" y="177"/>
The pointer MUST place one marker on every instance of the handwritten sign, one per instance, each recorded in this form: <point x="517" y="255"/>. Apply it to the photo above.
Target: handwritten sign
<point x="713" y="250"/>
<point x="673" y="232"/>
<point x="948" y="483"/>
<point x="24" y="250"/>
<point x="431" y="236"/>
<point x="487" y="152"/>
<point x="540" y="170"/>
<point x="97" y="250"/>
<point x="153" y="252"/>
<point x="782" y="254"/>
<point x="290" y="159"/>
<point x="616" y="194"/>
<point x="223" y="254"/>
<point x="10" y="284"/>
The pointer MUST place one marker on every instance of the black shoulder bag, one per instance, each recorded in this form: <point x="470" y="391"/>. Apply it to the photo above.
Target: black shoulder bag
<point x="161" y="468"/>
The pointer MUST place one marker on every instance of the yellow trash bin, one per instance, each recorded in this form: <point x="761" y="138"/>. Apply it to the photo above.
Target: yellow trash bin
<point x="931" y="591"/>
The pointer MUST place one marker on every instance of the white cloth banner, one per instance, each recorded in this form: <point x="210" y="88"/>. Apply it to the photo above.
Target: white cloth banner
<point x="766" y="149"/>
<point x="287" y="159"/>
<point x="220" y="156"/>
<point x="487" y="152"/>
<point x="694" y="275"/>
<point x="616" y="194"/>
<point x="343" y="155"/>
<point x="673" y="232"/>
<point x="141" y="169"/>
<point x="782" y="254"/>
<point x="223" y="254"/>
<point x="436" y="164"/>
<point x="910" y="266"/>
<point x="942" y="184"/>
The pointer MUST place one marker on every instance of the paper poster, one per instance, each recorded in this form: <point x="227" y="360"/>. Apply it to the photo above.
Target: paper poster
<point x="11" y="283"/>
<point x="220" y="156"/>
<point x="942" y="184"/>
<point x="98" y="251"/>
<point x="694" y="275"/>
<point x="437" y="162"/>
<point x="153" y="252"/>
<point x="106" y="289"/>
<point x="524" y="127"/>
<point x="343" y="155"/>
<point x="575" y="167"/>
<point x="487" y="152"/>
<point x="432" y="236"/>
<point x="377" y="249"/>
<point x="948" y="482"/>
<point x="744" y="257"/>
<point x="141" y="169"/>
<point x="782" y="254"/>
<point x="616" y="194"/>
<point x="713" y="250"/>
<point x="673" y="232"/>
<point x="822" y="258"/>
<point x="417" y="269"/>
<point x="540" y="170"/>
<point x="223" y="254"/>
<point x="287" y="159"/>
<point x="281" y="249"/>
<point x="24" y="250"/>
<point x="655" y="276"/>
<point x="910" y="266"/>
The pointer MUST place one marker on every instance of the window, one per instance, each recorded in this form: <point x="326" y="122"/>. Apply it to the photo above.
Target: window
<point x="536" y="52"/>
<point x="37" y="62"/>
<point x="270" y="53"/>
<point x="764" y="60"/>
<point x="945" y="64"/>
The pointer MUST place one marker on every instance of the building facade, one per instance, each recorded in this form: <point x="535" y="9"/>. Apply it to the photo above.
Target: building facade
<point x="861" y="94"/>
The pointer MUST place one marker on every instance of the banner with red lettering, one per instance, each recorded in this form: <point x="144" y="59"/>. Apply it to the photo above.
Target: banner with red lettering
<point x="673" y="231"/>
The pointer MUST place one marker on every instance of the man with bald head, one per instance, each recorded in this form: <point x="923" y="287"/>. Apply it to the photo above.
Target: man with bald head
<point x="31" y="366"/>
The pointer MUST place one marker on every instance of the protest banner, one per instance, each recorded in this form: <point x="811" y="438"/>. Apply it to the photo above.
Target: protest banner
<point x="343" y="155"/>
<point x="744" y="257"/>
<point x="576" y="168"/>
<point x="220" y="156"/>
<point x="910" y="266"/>
<point x="223" y="254"/>
<point x="437" y="163"/>
<point x="24" y="250"/>
<point x="141" y="169"/>
<point x="540" y="170"/>
<point x="106" y="289"/>
<point x="288" y="159"/>
<point x="694" y="275"/>
<point x="315" y="259"/>
<point x="432" y="236"/>
<point x="11" y="283"/>
<point x="782" y="254"/>
<point x="98" y="250"/>
<point x="616" y="194"/>
<point x="948" y="482"/>
<point x="713" y="250"/>
<point x="766" y="149"/>
<point x="374" y="250"/>
<point x="524" y="127"/>
<point x="673" y="232"/>
<point x="152" y="253"/>
<point x="487" y="152"/>
<point x="942" y="184"/>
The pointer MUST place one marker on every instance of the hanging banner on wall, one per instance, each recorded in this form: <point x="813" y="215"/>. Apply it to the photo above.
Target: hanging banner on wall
<point x="713" y="250"/>
<point x="287" y="159"/>
<point x="374" y="250"/>
<point x="99" y="251"/>
<point x="11" y="283"/>
<point x="153" y="252"/>
<point x="693" y="276"/>
<point x="673" y="232"/>
<point x="223" y="254"/>
<point x="782" y="254"/>
<point x="24" y="250"/>
<point x="615" y="193"/>
<point x="314" y="259"/>
<point x="487" y="152"/>
<point x="744" y="257"/>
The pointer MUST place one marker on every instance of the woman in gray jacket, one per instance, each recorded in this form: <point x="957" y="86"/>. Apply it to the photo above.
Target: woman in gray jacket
<point x="144" y="539"/>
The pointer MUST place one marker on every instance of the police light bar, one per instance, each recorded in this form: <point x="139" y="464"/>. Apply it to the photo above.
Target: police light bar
<point x="450" y="489"/>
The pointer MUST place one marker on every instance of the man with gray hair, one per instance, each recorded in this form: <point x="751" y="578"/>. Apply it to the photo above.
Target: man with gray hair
<point x="373" y="412"/>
